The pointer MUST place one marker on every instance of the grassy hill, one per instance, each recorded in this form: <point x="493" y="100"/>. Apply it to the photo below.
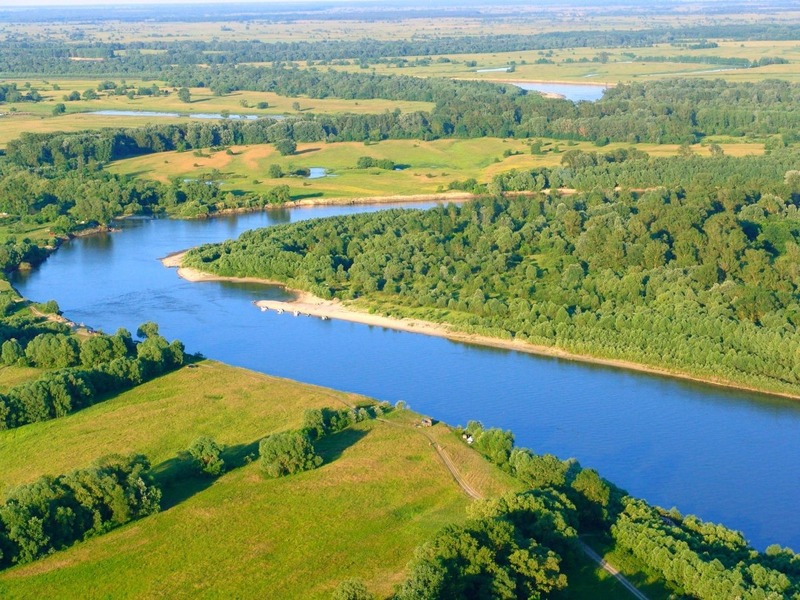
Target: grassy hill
<point x="381" y="492"/>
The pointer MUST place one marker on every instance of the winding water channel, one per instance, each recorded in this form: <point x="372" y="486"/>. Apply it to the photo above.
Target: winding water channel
<point x="724" y="455"/>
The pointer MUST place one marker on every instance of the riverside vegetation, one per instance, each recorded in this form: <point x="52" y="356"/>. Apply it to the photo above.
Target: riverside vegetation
<point x="710" y="269"/>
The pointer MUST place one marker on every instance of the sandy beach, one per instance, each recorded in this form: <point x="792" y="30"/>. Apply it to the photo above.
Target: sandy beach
<point x="305" y="304"/>
<point x="441" y="197"/>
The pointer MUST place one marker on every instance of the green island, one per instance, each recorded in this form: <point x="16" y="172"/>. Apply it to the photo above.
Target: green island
<point x="655" y="228"/>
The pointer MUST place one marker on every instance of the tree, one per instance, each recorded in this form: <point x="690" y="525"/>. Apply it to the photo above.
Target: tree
<point x="90" y="94"/>
<point x="485" y="558"/>
<point x="275" y="171"/>
<point x="206" y="454"/>
<point x="286" y="146"/>
<point x="11" y="352"/>
<point x="296" y="106"/>
<point x="352" y="589"/>
<point x="287" y="453"/>
<point x="280" y="194"/>
<point x="53" y="350"/>
<point x="184" y="95"/>
<point x="59" y="109"/>
<point x="147" y="329"/>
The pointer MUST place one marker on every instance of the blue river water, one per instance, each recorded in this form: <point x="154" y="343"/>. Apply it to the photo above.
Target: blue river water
<point x="727" y="456"/>
<point x="571" y="91"/>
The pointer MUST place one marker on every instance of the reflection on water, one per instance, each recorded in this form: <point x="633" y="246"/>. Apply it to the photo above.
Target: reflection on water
<point x="725" y="455"/>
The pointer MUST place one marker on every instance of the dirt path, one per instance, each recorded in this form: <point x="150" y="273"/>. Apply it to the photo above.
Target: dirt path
<point x="448" y="463"/>
<point x="634" y="591"/>
<point x="475" y="495"/>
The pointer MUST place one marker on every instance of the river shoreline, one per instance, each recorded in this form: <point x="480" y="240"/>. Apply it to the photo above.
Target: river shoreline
<point x="308" y="305"/>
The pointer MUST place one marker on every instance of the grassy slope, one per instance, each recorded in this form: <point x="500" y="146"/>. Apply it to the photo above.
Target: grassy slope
<point x="381" y="492"/>
<point x="11" y="376"/>
<point x="161" y="418"/>
<point x="431" y="164"/>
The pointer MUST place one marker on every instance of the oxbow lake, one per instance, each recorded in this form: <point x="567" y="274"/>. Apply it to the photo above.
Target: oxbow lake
<point x="727" y="456"/>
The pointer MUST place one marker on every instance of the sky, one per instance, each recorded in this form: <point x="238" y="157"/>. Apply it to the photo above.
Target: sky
<point x="32" y="3"/>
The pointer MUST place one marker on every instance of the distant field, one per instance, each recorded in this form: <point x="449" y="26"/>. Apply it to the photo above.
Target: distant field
<point x="519" y="19"/>
<point x="429" y="165"/>
<point x="37" y="117"/>
<point x="606" y="65"/>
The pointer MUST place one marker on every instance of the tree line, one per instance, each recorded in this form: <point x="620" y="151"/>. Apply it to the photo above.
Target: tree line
<point x="53" y="513"/>
<point x="79" y="373"/>
<point x="675" y="111"/>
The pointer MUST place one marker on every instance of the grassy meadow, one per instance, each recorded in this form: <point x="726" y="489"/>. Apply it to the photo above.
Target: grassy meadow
<point x="427" y="166"/>
<point x="243" y="535"/>
<point x="605" y="65"/>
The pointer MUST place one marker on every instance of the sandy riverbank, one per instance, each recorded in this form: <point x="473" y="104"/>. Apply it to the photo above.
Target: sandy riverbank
<point x="174" y="261"/>
<point x="442" y="197"/>
<point x="305" y="304"/>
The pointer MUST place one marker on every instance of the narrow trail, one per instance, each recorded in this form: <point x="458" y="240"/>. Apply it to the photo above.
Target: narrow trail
<point x="448" y="462"/>
<point x="634" y="591"/>
<point x="475" y="495"/>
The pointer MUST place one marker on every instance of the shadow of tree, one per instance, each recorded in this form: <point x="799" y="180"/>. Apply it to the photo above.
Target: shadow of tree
<point x="307" y="195"/>
<point x="240" y="455"/>
<point x="306" y="151"/>
<point x="331" y="447"/>
<point x="179" y="478"/>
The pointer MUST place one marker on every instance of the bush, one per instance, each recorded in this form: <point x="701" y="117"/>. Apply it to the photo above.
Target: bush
<point x="287" y="453"/>
<point x="206" y="454"/>
<point x="352" y="589"/>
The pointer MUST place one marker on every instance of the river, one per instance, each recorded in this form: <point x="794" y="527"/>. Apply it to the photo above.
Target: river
<point x="577" y="92"/>
<point x="724" y="455"/>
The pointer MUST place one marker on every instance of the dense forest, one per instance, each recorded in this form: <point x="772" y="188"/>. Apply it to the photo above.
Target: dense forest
<point x="702" y="280"/>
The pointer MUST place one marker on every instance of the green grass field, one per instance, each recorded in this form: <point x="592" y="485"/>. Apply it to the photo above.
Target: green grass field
<point x="380" y="493"/>
<point x="430" y="165"/>
<point x="243" y="533"/>
<point x="584" y="65"/>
